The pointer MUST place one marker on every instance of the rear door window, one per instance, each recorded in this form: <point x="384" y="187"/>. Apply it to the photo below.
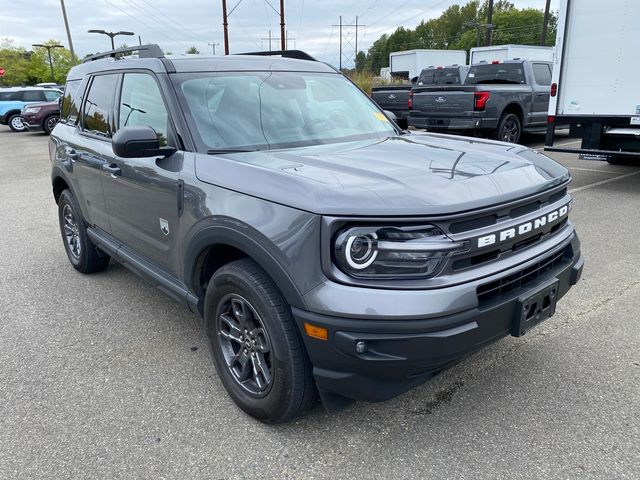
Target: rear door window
<point x="96" y="115"/>
<point x="542" y="73"/>
<point x="33" y="96"/>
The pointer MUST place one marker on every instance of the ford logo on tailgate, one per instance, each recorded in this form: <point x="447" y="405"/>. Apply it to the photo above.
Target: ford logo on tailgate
<point x="391" y="96"/>
<point x="441" y="99"/>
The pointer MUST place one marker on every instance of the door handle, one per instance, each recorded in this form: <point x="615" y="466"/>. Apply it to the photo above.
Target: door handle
<point x="112" y="168"/>
<point x="72" y="155"/>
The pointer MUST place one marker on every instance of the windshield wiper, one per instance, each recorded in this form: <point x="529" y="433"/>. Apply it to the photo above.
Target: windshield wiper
<point x="219" y="151"/>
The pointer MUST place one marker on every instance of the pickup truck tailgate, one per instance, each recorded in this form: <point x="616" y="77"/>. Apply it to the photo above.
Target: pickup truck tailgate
<point x="391" y="97"/>
<point x="445" y="101"/>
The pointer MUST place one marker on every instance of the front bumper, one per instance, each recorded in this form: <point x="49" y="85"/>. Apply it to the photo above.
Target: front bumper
<point x="31" y="122"/>
<point x="403" y="353"/>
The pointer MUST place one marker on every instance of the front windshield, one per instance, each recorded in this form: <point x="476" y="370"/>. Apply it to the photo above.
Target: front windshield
<point x="267" y="110"/>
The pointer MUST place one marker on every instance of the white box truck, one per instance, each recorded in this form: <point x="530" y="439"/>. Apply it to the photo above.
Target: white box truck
<point x="410" y="63"/>
<point x="510" y="52"/>
<point x="595" y="86"/>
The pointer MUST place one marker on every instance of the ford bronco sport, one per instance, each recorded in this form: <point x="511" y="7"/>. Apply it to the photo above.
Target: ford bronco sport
<point x="326" y="251"/>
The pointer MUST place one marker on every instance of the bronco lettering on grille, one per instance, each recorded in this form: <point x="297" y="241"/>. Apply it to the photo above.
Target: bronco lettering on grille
<point x="524" y="228"/>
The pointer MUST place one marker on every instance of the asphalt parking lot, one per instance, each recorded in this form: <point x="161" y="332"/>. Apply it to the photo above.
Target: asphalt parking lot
<point x="103" y="376"/>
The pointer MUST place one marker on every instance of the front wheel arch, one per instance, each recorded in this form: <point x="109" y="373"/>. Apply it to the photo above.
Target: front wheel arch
<point x="236" y="245"/>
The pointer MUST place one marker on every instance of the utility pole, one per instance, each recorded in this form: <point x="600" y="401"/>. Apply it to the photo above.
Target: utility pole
<point x="49" y="47"/>
<point x="225" y="26"/>
<point x="350" y="38"/>
<point x="213" y="46"/>
<point x="66" y="26"/>
<point x="283" y="41"/>
<point x="543" y="37"/>
<point x="489" y="20"/>
<point x="340" y="42"/>
<point x="354" y="61"/>
<point x="478" y="27"/>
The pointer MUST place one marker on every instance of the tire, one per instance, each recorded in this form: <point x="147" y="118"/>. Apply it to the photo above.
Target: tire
<point x="50" y="122"/>
<point x="509" y="128"/>
<point x="15" y="123"/>
<point x="82" y="253"/>
<point x="250" y="329"/>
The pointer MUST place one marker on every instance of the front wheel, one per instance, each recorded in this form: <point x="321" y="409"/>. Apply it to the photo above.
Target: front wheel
<point x="49" y="123"/>
<point x="82" y="253"/>
<point x="509" y="128"/>
<point x="255" y="344"/>
<point x="15" y="123"/>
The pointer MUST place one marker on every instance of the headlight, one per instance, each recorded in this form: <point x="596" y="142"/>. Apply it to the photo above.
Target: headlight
<point x="394" y="252"/>
<point x="31" y="110"/>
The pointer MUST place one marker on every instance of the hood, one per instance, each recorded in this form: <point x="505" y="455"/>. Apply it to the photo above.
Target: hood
<point x="48" y="105"/>
<point x="415" y="174"/>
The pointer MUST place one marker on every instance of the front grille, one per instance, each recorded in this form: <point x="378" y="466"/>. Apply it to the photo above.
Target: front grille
<point x="488" y="292"/>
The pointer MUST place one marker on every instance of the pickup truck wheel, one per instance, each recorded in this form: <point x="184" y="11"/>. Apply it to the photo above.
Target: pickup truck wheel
<point x="509" y="128"/>
<point x="255" y="344"/>
<point x="15" y="123"/>
<point x="82" y="253"/>
<point x="49" y="123"/>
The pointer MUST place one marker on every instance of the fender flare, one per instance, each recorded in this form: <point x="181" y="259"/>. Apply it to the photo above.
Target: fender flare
<point x="265" y="257"/>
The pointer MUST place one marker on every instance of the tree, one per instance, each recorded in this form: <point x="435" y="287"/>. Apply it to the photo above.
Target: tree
<point x="193" y="50"/>
<point x="511" y="25"/>
<point x="361" y="59"/>
<point x="61" y="60"/>
<point x="15" y="61"/>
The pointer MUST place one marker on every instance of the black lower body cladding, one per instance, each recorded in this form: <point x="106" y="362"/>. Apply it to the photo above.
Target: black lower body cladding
<point x="375" y="360"/>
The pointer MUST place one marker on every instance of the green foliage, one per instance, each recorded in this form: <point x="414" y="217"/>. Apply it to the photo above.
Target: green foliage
<point x="366" y="80"/>
<point x="30" y="67"/>
<point x="511" y="25"/>
<point x="193" y="50"/>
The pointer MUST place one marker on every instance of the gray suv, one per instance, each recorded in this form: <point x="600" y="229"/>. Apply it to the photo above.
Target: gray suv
<point x="327" y="251"/>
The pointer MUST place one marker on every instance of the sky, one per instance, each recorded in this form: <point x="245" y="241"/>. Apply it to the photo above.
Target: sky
<point x="176" y="25"/>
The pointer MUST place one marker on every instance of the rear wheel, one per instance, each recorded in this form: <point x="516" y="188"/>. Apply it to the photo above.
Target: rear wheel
<point x="15" y="123"/>
<point x="509" y="128"/>
<point x="50" y="122"/>
<point x="82" y="253"/>
<point x="255" y="344"/>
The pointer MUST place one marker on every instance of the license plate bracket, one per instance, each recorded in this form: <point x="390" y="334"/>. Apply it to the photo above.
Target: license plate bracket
<point x="535" y="307"/>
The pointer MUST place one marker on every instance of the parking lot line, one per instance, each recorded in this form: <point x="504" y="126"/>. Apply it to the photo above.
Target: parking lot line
<point x="602" y="182"/>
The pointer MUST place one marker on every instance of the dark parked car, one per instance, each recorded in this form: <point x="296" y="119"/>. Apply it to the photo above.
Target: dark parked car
<point x="40" y="116"/>
<point x="326" y="250"/>
<point x="13" y="99"/>
<point x="500" y="99"/>
<point x="398" y="98"/>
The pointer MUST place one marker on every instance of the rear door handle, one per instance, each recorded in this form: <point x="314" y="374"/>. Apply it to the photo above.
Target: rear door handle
<point x="112" y="168"/>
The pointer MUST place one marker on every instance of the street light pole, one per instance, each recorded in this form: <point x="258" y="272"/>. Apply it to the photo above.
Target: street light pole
<point x="49" y="47"/>
<point x="111" y="35"/>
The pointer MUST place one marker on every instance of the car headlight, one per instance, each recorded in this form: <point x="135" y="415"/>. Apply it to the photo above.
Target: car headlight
<point x="31" y="110"/>
<point x="394" y="252"/>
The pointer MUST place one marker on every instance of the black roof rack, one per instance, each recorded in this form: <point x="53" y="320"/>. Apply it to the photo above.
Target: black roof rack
<point x="150" y="50"/>
<point x="299" y="54"/>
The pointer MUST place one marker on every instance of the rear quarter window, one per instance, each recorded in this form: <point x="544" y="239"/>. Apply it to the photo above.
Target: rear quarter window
<point x="7" y="96"/>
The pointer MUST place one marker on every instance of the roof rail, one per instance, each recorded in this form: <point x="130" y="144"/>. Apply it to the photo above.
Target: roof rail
<point x="150" y="50"/>
<point x="299" y="54"/>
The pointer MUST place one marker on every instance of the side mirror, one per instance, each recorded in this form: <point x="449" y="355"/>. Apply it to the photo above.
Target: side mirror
<point x="135" y="141"/>
<point x="414" y="80"/>
<point x="391" y="115"/>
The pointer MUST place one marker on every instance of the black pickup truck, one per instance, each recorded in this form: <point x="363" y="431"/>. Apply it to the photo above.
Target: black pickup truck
<point x="396" y="98"/>
<point x="500" y="99"/>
